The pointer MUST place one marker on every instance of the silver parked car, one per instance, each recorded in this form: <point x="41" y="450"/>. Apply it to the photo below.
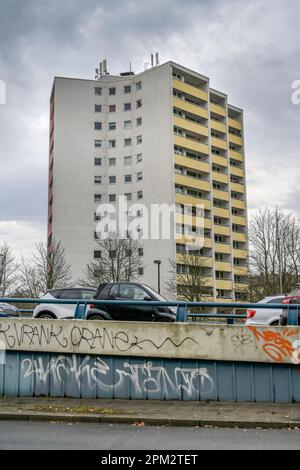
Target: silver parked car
<point x="266" y="316"/>
<point x="7" y="310"/>
<point x="61" y="311"/>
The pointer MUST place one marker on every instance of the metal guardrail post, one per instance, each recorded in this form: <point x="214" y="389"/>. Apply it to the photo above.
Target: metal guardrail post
<point x="293" y="317"/>
<point x="80" y="311"/>
<point x="182" y="314"/>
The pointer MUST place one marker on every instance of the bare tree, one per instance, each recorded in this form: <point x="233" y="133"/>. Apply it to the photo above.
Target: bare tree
<point x="48" y="269"/>
<point x="191" y="281"/>
<point x="119" y="260"/>
<point x="275" y="252"/>
<point x="8" y="270"/>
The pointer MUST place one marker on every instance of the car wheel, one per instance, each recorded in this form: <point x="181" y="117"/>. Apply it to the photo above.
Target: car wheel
<point x="46" y="316"/>
<point x="275" y="323"/>
<point x="96" y="317"/>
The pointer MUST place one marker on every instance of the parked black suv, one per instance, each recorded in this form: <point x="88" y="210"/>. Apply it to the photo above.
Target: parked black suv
<point x="129" y="291"/>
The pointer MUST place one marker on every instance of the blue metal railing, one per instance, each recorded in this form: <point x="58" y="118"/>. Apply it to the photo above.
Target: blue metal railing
<point x="183" y="312"/>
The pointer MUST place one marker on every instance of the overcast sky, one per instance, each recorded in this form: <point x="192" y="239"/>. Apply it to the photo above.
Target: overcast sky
<point x="249" y="49"/>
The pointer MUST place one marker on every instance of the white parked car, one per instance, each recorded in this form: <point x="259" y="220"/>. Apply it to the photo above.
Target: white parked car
<point x="266" y="316"/>
<point x="61" y="311"/>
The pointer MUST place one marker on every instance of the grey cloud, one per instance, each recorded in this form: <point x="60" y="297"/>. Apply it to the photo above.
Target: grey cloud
<point x="249" y="49"/>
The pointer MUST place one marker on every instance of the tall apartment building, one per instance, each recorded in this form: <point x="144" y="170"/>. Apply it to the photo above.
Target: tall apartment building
<point x="162" y="136"/>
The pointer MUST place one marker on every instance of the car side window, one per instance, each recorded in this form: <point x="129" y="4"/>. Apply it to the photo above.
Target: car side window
<point x="114" y="291"/>
<point x="295" y="301"/>
<point x="130" y="292"/>
<point x="70" y="294"/>
<point x="87" y="294"/>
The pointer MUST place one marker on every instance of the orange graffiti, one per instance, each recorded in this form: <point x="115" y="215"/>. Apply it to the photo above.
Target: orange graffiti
<point x="276" y="346"/>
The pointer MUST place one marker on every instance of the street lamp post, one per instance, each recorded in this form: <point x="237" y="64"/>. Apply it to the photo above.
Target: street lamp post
<point x="158" y="262"/>
<point x="3" y="273"/>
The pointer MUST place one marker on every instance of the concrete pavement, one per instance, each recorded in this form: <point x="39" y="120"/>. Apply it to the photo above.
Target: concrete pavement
<point x="139" y="412"/>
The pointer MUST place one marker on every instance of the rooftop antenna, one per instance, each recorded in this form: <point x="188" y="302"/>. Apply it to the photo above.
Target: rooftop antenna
<point x="152" y="60"/>
<point x="157" y="58"/>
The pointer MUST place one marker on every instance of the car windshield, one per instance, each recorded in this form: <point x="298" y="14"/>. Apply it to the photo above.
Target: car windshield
<point x="278" y="300"/>
<point x="155" y="294"/>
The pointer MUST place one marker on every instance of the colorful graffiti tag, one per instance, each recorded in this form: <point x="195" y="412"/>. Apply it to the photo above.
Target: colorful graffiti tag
<point x="279" y="345"/>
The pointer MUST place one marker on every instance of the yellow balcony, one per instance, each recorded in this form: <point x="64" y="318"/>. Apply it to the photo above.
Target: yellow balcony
<point x="190" y="126"/>
<point x="219" y="212"/>
<point x="239" y="220"/>
<point x="215" y="108"/>
<point x="222" y="248"/>
<point x="219" y="143"/>
<point x="239" y="237"/>
<point x="238" y="204"/>
<point x="223" y="266"/>
<point x="223" y="284"/>
<point x="191" y="144"/>
<point x="242" y="254"/>
<point x="192" y="182"/>
<point x="223" y="195"/>
<point x="204" y="260"/>
<point x="220" y="177"/>
<point x="238" y="188"/>
<point x="192" y="164"/>
<point x="218" y="160"/>
<point x="192" y="220"/>
<point x="234" y="139"/>
<point x="239" y="286"/>
<point x="190" y="89"/>
<point x="241" y="270"/>
<point x="184" y="199"/>
<point x="218" y="126"/>
<point x="222" y="230"/>
<point x="190" y="108"/>
<point x="236" y="155"/>
<point x="237" y="171"/>
<point x="234" y="123"/>
<point x="207" y="281"/>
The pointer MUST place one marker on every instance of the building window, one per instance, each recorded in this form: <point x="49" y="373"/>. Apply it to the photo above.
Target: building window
<point x="141" y="252"/>
<point x="127" y="106"/>
<point x="127" y="89"/>
<point x="112" y="126"/>
<point x="98" y="126"/>
<point x="127" y="142"/>
<point x="139" y="139"/>
<point x="112" y="91"/>
<point x="112" y="162"/>
<point x="140" y="194"/>
<point x="96" y="236"/>
<point x="112" y="108"/>
<point x="139" y="157"/>
<point x="112" y="179"/>
<point x="97" y="197"/>
<point x="97" y="179"/>
<point x="98" y="161"/>
<point x="141" y="271"/>
<point x="138" y="122"/>
<point x="98" y="144"/>
<point x="127" y="125"/>
<point x="128" y="196"/>
<point x="98" y="108"/>
<point x="127" y="178"/>
<point x="139" y="176"/>
<point x="127" y="160"/>
<point x="112" y="144"/>
<point x="139" y="103"/>
<point x="112" y="197"/>
<point x="138" y="86"/>
<point x="98" y="91"/>
<point x="97" y="254"/>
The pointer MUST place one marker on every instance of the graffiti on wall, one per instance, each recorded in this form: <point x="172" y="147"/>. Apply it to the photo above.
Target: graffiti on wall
<point x="145" y="377"/>
<point x="42" y="334"/>
<point x="279" y="345"/>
